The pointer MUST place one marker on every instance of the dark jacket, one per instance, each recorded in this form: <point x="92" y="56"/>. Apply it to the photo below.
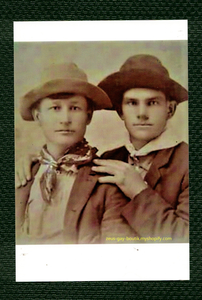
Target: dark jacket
<point x="93" y="212"/>
<point x="163" y="208"/>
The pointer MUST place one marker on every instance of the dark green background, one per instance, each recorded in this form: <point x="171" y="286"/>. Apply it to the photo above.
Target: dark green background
<point x="98" y="10"/>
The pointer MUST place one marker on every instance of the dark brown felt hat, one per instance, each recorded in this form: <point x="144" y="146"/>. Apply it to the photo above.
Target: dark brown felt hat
<point x="142" y="71"/>
<point x="63" y="78"/>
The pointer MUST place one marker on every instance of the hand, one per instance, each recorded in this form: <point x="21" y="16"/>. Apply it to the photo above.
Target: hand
<point x="122" y="174"/>
<point x="23" y="169"/>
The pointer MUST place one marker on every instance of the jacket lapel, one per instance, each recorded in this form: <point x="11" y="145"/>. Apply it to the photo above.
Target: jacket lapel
<point x="82" y="188"/>
<point x="161" y="159"/>
<point x="80" y="193"/>
<point x="123" y="154"/>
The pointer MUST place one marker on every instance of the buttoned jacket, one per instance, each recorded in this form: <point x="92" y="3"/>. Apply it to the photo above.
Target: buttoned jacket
<point x="162" y="209"/>
<point x="93" y="212"/>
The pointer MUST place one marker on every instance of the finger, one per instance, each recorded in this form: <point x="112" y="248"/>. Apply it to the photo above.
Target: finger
<point x="107" y="179"/>
<point x="17" y="181"/>
<point x="110" y="163"/>
<point x="21" y="176"/>
<point x="115" y="164"/>
<point x="104" y="169"/>
<point x="27" y="169"/>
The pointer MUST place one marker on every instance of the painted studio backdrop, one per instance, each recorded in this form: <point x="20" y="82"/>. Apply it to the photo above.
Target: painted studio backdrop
<point x="97" y="59"/>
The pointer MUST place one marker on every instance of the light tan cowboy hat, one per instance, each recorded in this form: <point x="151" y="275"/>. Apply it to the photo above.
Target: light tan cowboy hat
<point x="63" y="78"/>
<point x="142" y="71"/>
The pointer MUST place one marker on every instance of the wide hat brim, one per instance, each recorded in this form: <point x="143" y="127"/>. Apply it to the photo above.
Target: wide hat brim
<point x="118" y="83"/>
<point x="81" y="87"/>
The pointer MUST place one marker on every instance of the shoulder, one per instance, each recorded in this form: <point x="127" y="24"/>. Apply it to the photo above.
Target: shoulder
<point x="182" y="147"/>
<point x="181" y="152"/>
<point x="118" y="153"/>
<point x="176" y="159"/>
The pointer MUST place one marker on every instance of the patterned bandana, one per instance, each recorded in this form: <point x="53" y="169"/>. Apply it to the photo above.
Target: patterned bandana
<point x="77" y="155"/>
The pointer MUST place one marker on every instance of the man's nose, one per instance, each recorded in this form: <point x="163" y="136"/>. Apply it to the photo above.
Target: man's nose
<point x="65" y="116"/>
<point x="142" y="113"/>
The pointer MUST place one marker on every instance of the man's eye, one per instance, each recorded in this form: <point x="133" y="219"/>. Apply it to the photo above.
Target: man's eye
<point x="153" y="102"/>
<point x="75" y="108"/>
<point x="132" y="102"/>
<point x="55" y="107"/>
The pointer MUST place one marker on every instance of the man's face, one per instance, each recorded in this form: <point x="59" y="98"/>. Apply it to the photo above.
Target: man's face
<point x="63" y="121"/>
<point x="145" y="113"/>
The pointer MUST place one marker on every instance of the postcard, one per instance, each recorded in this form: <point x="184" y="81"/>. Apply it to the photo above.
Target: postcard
<point x="124" y="86"/>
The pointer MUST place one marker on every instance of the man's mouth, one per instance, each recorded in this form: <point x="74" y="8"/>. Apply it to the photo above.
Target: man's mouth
<point x="142" y="125"/>
<point x="65" y="130"/>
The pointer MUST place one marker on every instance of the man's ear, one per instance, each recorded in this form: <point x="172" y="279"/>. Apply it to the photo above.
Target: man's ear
<point x="35" y="114"/>
<point x="171" y="108"/>
<point x="120" y="113"/>
<point x="90" y="115"/>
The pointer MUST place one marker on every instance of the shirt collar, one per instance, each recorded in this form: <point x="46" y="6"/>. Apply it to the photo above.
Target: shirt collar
<point x="166" y="139"/>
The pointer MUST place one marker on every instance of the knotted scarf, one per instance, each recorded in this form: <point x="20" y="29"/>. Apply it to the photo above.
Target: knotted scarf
<point x="77" y="155"/>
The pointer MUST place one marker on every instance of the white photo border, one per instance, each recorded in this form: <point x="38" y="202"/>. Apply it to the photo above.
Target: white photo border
<point x="101" y="262"/>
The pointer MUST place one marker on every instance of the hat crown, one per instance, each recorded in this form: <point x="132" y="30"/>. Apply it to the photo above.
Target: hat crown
<point x="144" y="62"/>
<point x="63" y="71"/>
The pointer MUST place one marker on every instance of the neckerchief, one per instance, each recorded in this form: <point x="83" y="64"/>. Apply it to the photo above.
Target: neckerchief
<point x="77" y="155"/>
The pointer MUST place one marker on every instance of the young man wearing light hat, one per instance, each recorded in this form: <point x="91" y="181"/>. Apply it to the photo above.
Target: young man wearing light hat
<point x="152" y="169"/>
<point x="64" y="202"/>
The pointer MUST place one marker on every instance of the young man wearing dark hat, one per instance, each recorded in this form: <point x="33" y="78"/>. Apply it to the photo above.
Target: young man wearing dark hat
<point x="64" y="202"/>
<point x="152" y="169"/>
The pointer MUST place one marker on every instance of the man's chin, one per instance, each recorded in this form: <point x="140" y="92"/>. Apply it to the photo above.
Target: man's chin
<point x="141" y="141"/>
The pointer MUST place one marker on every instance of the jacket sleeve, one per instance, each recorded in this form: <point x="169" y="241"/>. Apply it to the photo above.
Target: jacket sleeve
<point x="152" y="216"/>
<point x="21" y="198"/>
<point x="114" y="228"/>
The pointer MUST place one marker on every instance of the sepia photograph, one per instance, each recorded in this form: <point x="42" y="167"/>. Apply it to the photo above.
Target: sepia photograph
<point x="101" y="144"/>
